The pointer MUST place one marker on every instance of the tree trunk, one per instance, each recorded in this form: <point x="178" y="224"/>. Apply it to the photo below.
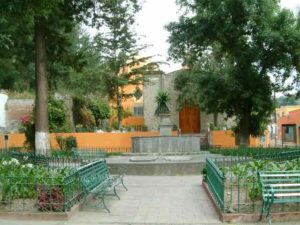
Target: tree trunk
<point x="119" y="110"/>
<point x="244" y="134"/>
<point x="42" y="145"/>
<point x="216" y="119"/>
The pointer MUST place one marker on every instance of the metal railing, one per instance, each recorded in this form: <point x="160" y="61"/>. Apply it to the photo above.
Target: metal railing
<point x="215" y="180"/>
<point x="22" y="193"/>
<point x="50" y="162"/>
<point x="238" y="193"/>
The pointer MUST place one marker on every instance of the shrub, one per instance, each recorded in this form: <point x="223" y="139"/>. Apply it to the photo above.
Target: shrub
<point x="71" y="142"/>
<point x="66" y="145"/>
<point x="58" y="121"/>
<point x="16" y="175"/>
<point x="88" y="120"/>
<point x="100" y="110"/>
<point x="29" y="129"/>
<point x="162" y="99"/>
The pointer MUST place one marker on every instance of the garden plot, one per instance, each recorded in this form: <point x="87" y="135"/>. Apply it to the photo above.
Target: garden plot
<point x="28" y="187"/>
<point x="242" y="189"/>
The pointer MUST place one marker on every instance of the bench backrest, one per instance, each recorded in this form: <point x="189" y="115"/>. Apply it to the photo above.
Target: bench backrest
<point x="92" y="175"/>
<point x="280" y="183"/>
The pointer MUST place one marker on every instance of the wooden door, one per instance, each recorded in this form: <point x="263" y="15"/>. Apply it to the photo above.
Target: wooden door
<point x="189" y="120"/>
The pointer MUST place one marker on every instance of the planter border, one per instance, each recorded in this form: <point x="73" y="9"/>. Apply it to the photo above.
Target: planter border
<point x="47" y="216"/>
<point x="248" y="217"/>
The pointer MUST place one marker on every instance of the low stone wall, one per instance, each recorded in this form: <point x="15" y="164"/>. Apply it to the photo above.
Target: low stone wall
<point x="166" y="144"/>
<point x="157" y="169"/>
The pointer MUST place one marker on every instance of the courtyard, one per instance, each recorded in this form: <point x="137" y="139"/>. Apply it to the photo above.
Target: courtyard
<point x="161" y="200"/>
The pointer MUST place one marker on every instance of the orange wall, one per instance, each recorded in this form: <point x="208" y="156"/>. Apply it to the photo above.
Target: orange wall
<point x="112" y="141"/>
<point x="15" y="140"/>
<point x="133" y="121"/>
<point x="122" y="141"/>
<point x="227" y="139"/>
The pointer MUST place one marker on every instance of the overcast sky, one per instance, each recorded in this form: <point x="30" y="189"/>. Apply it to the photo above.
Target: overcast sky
<point x="155" y="14"/>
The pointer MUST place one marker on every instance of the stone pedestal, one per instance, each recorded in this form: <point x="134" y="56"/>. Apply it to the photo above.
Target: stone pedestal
<point x="166" y="144"/>
<point x="165" y="125"/>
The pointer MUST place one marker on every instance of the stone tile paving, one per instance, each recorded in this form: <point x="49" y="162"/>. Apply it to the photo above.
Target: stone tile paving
<point x="150" y="200"/>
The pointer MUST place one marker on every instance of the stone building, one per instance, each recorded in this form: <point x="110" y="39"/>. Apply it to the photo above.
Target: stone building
<point x="187" y="119"/>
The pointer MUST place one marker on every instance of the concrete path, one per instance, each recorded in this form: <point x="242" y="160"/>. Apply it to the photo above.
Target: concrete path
<point x="150" y="200"/>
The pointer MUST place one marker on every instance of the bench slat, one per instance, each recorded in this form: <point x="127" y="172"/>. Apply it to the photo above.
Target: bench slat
<point x="286" y="185"/>
<point x="282" y="194"/>
<point x="281" y="175"/>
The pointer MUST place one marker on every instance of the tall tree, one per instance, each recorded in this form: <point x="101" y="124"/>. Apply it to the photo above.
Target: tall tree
<point x="256" y="38"/>
<point x="48" y="22"/>
<point x="118" y="48"/>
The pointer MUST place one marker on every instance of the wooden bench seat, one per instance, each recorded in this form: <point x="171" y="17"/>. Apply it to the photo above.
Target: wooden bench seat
<point x="279" y="187"/>
<point x="95" y="179"/>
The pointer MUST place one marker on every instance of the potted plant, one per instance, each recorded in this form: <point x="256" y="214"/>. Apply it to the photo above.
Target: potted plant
<point x="162" y="99"/>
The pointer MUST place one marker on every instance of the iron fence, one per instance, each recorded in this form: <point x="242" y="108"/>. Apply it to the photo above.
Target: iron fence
<point x="22" y="193"/>
<point x="50" y="162"/>
<point x="239" y="193"/>
<point x="215" y="179"/>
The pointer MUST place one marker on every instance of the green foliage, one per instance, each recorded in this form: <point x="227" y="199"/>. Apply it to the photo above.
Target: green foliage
<point x="66" y="145"/>
<point x="58" y="120"/>
<point x="88" y="120"/>
<point x="71" y="143"/>
<point x="20" y="180"/>
<point x="287" y="100"/>
<point x="120" y="52"/>
<point x="89" y="113"/>
<point x="29" y="130"/>
<point x="162" y="99"/>
<point x="187" y="85"/>
<point x="144" y="128"/>
<point x="230" y="48"/>
<point x="253" y="152"/>
<point x="249" y="172"/>
<point x="100" y="110"/>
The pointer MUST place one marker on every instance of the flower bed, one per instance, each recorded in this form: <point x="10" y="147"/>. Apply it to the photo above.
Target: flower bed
<point x="28" y="187"/>
<point x="235" y="185"/>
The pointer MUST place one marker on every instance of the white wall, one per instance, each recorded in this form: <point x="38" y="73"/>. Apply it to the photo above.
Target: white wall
<point x="3" y="100"/>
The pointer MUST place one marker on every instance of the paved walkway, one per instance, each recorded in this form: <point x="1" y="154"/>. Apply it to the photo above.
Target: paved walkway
<point x="150" y="200"/>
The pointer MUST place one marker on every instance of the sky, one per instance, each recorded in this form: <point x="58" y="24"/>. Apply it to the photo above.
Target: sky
<point x="155" y="14"/>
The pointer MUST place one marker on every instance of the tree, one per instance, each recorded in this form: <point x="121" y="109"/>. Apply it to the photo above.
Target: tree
<point x="48" y="22"/>
<point x="256" y="39"/>
<point x="120" y="53"/>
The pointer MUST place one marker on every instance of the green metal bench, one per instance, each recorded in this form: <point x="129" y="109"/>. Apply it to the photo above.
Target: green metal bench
<point x="279" y="187"/>
<point x="95" y="179"/>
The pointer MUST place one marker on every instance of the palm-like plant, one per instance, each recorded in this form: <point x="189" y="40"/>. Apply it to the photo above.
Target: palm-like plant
<point x="162" y="99"/>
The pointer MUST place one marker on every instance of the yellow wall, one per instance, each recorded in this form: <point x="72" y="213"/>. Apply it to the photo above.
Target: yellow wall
<point x="285" y="110"/>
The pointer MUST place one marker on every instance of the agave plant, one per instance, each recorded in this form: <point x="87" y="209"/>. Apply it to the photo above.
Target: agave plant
<point x="162" y="99"/>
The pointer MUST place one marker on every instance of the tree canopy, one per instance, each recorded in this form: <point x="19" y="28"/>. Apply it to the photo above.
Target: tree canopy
<point x="38" y="38"/>
<point x="248" y="42"/>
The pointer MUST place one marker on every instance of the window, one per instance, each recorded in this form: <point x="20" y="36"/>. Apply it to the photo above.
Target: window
<point x="289" y="133"/>
<point x="138" y="93"/>
<point x="138" y="111"/>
